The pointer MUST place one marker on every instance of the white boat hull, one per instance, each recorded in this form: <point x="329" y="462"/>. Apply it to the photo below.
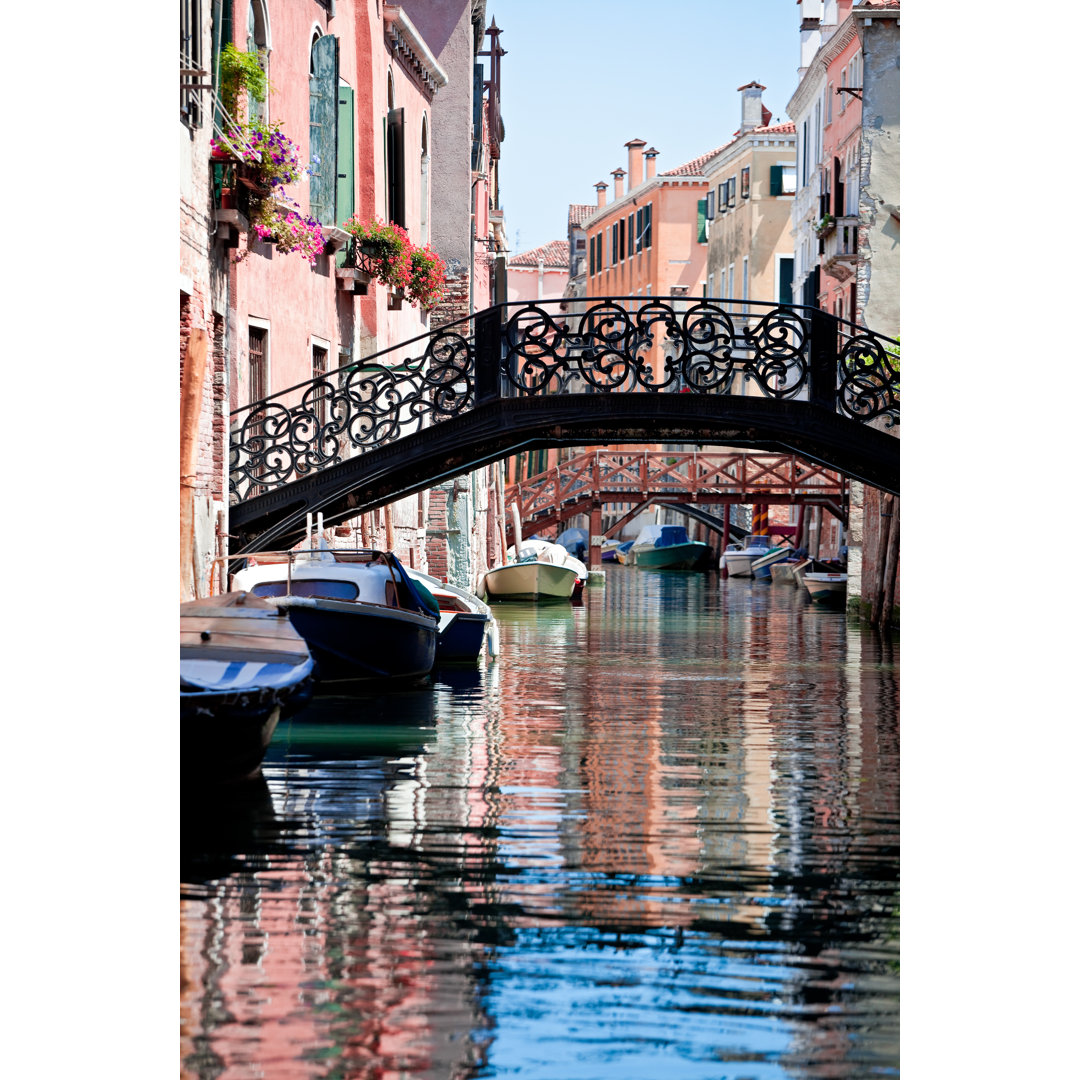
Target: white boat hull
<point x="739" y="564"/>
<point x="830" y="588"/>
<point x="530" y="581"/>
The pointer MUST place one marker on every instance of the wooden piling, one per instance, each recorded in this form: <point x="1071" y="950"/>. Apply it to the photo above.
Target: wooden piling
<point x="191" y="395"/>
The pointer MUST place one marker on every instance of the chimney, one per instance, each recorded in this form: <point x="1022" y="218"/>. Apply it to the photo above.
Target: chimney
<point x="751" y="106"/>
<point x="618" y="174"/>
<point x="650" y="162"/>
<point x="601" y="194"/>
<point x="634" y="152"/>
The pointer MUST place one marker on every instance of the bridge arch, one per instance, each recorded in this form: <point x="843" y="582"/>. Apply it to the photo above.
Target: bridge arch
<point x="521" y="377"/>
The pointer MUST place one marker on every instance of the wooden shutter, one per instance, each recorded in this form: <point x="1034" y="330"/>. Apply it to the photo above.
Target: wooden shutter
<point x="600" y="250"/>
<point x="838" y="189"/>
<point x="702" y="221"/>
<point x="787" y="274"/>
<point x="323" y="141"/>
<point x="592" y="255"/>
<point x="346" y="154"/>
<point x="477" y="115"/>
<point x="395" y="166"/>
<point x="776" y="179"/>
<point x="647" y="220"/>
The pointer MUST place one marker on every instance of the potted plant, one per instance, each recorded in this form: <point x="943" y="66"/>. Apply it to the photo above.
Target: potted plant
<point x="241" y="72"/>
<point x="383" y="248"/>
<point x="427" y="277"/>
<point x="825" y="225"/>
<point x="289" y="231"/>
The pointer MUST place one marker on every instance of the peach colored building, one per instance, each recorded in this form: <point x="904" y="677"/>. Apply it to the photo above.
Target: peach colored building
<point x="646" y="241"/>
<point x="539" y="274"/>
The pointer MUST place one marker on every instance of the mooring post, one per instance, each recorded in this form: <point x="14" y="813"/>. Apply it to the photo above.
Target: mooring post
<point x="488" y="346"/>
<point x="824" y="358"/>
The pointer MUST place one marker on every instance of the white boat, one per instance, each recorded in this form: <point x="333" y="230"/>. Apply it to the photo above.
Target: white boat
<point x="538" y="570"/>
<point x="739" y="562"/>
<point x="466" y="624"/>
<point x="359" y="612"/>
<point x="826" y="588"/>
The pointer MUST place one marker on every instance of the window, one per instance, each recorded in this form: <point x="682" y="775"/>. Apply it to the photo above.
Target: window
<point x="703" y="221"/>
<point x="258" y="383"/>
<point x="592" y="255"/>
<point x="843" y="85"/>
<point x="425" y="160"/>
<point x="324" y="590"/>
<point x="745" y="281"/>
<point x="781" y="179"/>
<point x="622" y="239"/>
<point x="318" y="371"/>
<point x="637" y="232"/>
<point x="828" y="103"/>
<point x="647" y="238"/>
<point x="599" y="252"/>
<point x="745" y="182"/>
<point x="710" y="205"/>
<point x="731" y="191"/>
<point x="258" y="41"/>
<point x="805" y="153"/>
<point x="191" y="54"/>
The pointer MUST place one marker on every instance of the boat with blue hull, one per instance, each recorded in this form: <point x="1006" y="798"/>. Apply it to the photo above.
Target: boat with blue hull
<point x="359" y="612"/>
<point x="467" y="628"/>
<point x="243" y="669"/>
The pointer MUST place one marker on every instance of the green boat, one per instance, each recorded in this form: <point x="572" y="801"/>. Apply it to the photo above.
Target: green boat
<point x="667" y="547"/>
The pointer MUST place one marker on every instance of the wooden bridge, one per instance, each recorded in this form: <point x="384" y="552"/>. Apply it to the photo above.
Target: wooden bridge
<point x="776" y="380"/>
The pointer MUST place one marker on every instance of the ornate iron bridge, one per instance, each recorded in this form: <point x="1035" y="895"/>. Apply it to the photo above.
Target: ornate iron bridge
<point x="527" y="375"/>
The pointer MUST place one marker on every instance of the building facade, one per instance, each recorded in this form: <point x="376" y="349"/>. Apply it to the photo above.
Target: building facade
<point x="354" y="86"/>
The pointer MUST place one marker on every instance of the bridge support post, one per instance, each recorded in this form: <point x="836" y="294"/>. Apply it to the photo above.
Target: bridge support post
<point x="488" y="354"/>
<point x="824" y="358"/>
<point x="596" y="524"/>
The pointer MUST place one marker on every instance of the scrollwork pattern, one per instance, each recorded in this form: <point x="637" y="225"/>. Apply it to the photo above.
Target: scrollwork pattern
<point x="354" y="409"/>
<point x="869" y="382"/>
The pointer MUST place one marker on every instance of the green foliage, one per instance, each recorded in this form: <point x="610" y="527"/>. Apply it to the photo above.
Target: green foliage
<point x="240" y="71"/>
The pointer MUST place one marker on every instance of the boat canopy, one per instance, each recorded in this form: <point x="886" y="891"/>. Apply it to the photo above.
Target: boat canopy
<point x="663" y="535"/>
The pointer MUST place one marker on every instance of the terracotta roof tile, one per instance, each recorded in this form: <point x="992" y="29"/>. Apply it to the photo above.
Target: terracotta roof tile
<point x="579" y="212"/>
<point x="555" y="253"/>
<point x="696" y="167"/>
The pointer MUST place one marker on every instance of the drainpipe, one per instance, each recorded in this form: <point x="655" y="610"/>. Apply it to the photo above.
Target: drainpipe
<point x="191" y="395"/>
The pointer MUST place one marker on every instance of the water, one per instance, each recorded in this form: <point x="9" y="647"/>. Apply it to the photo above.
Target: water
<point x="657" y="838"/>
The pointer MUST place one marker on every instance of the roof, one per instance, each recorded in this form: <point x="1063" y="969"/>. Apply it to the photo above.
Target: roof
<point x="555" y="253"/>
<point x="579" y="212"/>
<point x="697" y="166"/>
<point x="878" y="4"/>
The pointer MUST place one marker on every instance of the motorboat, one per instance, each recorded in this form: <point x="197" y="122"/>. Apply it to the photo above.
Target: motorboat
<point x="360" y="613"/>
<point x="622" y="552"/>
<point x="740" y="561"/>
<point x="762" y="568"/>
<point x="536" y="570"/>
<point x="576" y="542"/>
<point x="667" y="547"/>
<point x="609" y="550"/>
<point x="783" y="572"/>
<point x="466" y="625"/>
<point x="243" y="668"/>
<point x="826" y="588"/>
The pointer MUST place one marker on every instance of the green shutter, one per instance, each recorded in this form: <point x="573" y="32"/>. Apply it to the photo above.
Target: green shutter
<point x="346" y="160"/>
<point x="346" y="152"/>
<point x="702" y="227"/>
<point x="776" y="179"/>
<point x="323" y="113"/>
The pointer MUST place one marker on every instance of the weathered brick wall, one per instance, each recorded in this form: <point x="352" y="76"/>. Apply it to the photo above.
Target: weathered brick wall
<point x="454" y="303"/>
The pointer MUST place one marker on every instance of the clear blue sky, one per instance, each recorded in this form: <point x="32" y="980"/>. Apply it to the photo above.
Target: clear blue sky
<point x="583" y="77"/>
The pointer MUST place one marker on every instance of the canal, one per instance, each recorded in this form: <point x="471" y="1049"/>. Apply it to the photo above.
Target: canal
<point x="658" y="837"/>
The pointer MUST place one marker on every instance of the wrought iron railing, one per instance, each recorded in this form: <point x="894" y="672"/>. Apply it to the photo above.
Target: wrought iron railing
<point x="619" y="345"/>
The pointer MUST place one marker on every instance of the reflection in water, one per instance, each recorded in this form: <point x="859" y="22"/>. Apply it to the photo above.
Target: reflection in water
<point x="660" y="833"/>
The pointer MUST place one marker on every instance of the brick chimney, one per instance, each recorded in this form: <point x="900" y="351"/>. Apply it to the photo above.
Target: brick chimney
<point x="752" y="115"/>
<point x="650" y="162"/>
<point x="618" y="174"/>
<point x="633" y="148"/>
<point x="601" y="194"/>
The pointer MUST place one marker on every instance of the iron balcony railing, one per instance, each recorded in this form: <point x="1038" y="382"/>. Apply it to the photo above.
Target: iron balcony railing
<point x="613" y="346"/>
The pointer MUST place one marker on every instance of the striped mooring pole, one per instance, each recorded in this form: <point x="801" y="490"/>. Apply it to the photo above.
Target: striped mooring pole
<point x="761" y="519"/>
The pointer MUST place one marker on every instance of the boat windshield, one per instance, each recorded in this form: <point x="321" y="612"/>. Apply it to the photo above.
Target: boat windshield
<point x="323" y="590"/>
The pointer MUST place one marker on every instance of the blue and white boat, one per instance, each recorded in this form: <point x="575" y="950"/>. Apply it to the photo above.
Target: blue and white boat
<point x="243" y="668"/>
<point x="739" y="561"/>
<point x="467" y="628"/>
<point x="359" y="612"/>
